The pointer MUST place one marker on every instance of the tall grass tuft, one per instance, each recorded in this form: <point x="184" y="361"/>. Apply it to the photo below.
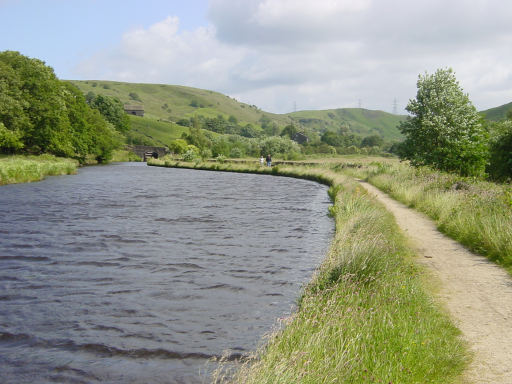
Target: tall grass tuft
<point x="22" y="169"/>
<point x="476" y="213"/>
<point x="366" y="316"/>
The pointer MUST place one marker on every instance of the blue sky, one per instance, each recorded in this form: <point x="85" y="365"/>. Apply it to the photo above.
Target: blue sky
<point x="276" y="54"/>
<point x="64" y="32"/>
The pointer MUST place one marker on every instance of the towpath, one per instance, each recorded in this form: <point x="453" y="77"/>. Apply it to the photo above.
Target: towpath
<point x="476" y="292"/>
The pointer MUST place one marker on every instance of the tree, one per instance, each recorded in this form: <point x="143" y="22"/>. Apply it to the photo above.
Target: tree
<point x="41" y="114"/>
<point x="289" y="131"/>
<point x="500" y="161"/>
<point x="112" y="110"/>
<point x="248" y="131"/>
<point x="332" y="138"/>
<point x="196" y="136"/>
<point x="445" y="130"/>
<point x="35" y="108"/>
<point x="372" y="141"/>
<point x="10" y="141"/>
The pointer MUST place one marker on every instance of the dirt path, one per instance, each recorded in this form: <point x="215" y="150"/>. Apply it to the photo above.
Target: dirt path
<point x="477" y="293"/>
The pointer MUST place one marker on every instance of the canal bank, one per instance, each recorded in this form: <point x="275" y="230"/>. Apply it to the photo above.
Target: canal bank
<point x="368" y="314"/>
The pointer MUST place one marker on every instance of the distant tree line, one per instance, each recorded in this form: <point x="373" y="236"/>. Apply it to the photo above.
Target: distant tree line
<point x="41" y="114"/>
<point x="329" y="142"/>
<point x="222" y="125"/>
<point x="203" y="143"/>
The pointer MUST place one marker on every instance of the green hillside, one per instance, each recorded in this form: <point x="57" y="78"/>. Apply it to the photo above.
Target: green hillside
<point x="154" y="132"/>
<point x="171" y="103"/>
<point x="362" y="122"/>
<point x="497" y="113"/>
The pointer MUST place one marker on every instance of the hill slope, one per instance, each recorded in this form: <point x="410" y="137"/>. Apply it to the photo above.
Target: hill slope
<point x="172" y="103"/>
<point x="497" y="113"/>
<point x="362" y="122"/>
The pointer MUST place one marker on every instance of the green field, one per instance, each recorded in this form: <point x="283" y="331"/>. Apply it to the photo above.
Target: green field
<point x="160" y="133"/>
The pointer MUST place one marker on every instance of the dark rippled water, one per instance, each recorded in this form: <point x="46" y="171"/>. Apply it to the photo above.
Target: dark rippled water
<point x="135" y="274"/>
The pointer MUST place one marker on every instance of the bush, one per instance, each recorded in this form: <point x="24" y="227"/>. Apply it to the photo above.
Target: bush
<point x="178" y="146"/>
<point x="183" y="122"/>
<point x="206" y="153"/>
<point x="236" y="153"/>
<point x="221" y="158"/>
<point x="190" y="155"/>
<point x="193" y="148"/>
<point x="134" y="96"/>
<point x="500" y="162"/>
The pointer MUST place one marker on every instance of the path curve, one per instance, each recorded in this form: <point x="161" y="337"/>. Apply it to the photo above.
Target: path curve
<point x="477" y="292"/>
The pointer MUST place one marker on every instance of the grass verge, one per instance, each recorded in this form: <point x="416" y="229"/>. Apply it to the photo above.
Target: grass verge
<point x="476" y="213"/>
<point x="23" y="169"/>
<point x="122" y="155"/>
<point x="367" y="315"/>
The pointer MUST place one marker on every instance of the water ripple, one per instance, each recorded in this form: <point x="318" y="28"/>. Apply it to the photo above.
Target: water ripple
<point x="127" y="273"/>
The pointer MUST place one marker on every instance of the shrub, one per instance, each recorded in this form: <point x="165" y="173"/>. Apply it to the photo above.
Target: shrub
<point x="500" y="162"/>
<point x="178" y="146"/>
<point x="134" y="96"/>
<point x="189" y="155"/>
<point x="221" y="159"/>
<point x="206" y="153"/>
<point x="235" y="153"/>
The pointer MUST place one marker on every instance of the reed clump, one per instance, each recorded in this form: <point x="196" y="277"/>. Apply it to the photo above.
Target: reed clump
<point x="22" y="169"/>
<point x="367" y="315"/>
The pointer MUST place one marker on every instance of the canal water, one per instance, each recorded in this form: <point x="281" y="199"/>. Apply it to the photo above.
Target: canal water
<point x="134" y="274"/>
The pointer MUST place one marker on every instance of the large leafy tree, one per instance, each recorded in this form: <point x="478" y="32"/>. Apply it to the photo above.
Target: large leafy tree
<point x="445" y="130"/>
<point x="41" y="114"/>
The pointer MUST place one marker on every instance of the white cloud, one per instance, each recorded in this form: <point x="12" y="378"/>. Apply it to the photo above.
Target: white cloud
<point x="323" y="53"/>
<point x="162" y="54"/>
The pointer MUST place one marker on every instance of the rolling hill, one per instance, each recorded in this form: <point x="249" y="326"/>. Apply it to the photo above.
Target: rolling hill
<point x="170" y="103"/>
<point x="497" y="113"/>
<point x="174" y="102"/>
<point x="359" y="121"/>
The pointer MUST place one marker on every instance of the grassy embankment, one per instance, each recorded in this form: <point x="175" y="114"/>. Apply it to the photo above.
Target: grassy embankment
<point x="23" y="169"/>
<point x="366" y="316"/>
<point x="476" y="213"/>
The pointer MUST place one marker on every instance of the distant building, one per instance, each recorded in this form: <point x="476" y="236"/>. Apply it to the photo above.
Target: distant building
<point x="300" y="138"/>
<point x="137" y="110"/>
